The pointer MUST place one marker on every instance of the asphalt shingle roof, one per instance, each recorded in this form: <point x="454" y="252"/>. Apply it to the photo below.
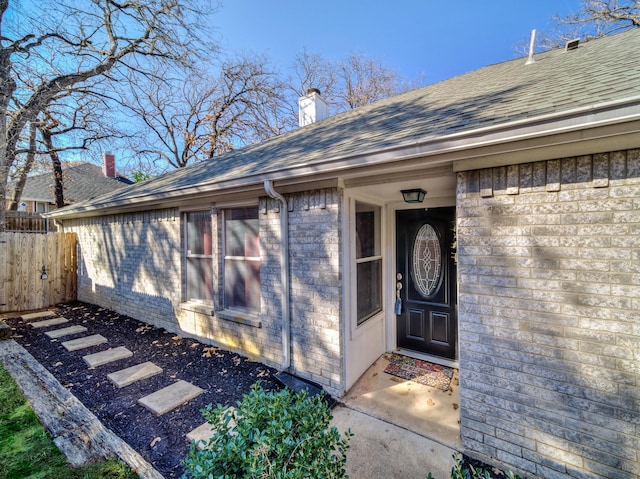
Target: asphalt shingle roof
<point x="82" y="182"/>
<point x="599" y="71"/>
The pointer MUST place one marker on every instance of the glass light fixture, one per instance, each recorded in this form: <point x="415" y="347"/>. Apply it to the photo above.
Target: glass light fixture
<point x="415" y="195"/>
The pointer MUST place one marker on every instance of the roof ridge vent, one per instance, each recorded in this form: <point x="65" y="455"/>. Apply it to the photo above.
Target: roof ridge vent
<point x="532" y="43"/>
<point x="572" y="45"/>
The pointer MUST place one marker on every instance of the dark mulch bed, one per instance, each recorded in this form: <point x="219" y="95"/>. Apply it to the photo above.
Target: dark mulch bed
<point x="224" y="376"/>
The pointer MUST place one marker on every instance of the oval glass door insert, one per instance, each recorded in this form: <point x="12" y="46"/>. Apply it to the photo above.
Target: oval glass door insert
<point x="427" y="261"/>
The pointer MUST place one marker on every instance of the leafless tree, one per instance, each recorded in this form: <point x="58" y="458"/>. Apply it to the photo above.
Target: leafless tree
<point x="597" y="18"/>
<point x="346" y="84"/>
<point x="205" y="115"/>
<point x="77" y="120"/>
<point x="594" y="19"/>
<point x="25" y="167"/>
<point x="365" y="80"/>
<point x="49" y="47"/>
<point x="246" y="92"/>
<point x="312" y="70"/>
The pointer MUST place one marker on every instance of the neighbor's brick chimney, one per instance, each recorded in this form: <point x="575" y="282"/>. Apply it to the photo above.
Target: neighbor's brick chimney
<point x="109" y="165"/>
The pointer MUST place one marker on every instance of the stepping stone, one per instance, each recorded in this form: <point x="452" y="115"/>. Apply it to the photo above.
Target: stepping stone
<point x="201" y="434"/>
<point x="58" y="333"/>
<point x="84" y="342"/>
<point x="39" y="314"/>
<point x="108" y="356"/>
<point x="205" y="431"/>
<point x="171" y="397"/>
<point x="127" y="376"/>
<point x="49" y="322"/>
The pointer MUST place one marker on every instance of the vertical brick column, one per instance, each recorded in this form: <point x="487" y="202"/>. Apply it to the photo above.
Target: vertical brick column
<point x="549" y="308"/>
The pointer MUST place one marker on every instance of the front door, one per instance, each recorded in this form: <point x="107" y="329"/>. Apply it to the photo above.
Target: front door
<point x="426" y="281"/>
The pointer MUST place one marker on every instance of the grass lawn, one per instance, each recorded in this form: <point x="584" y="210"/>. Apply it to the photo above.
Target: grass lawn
<point x="27" y="450"/>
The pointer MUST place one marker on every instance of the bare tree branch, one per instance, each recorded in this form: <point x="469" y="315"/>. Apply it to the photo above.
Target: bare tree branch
<point x="89" y="45"/>
<point x="594" y="19"/>
<point x="26" y="168"/>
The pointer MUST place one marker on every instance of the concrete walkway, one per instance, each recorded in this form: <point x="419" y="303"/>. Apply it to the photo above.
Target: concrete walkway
<point x="380" y="449"/>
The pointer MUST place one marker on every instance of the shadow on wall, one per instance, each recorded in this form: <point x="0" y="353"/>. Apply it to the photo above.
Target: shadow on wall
<point x="132" y="264"/>
<point x="548" y="309"/>
<point x="128" y="263"/>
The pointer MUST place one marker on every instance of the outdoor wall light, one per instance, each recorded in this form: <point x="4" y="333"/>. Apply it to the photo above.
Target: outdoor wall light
<point x="43" y="273"/>
<point x="415" y="195"/>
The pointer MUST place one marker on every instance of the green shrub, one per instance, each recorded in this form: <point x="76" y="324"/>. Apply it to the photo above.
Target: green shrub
<point x="278" y="435"/>
<point x="460" y="470"/>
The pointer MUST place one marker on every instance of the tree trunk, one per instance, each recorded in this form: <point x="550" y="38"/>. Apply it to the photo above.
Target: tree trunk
<point x="57" y="166"/>
<point x="7" y="87"/>
<point x="24" y="172"/>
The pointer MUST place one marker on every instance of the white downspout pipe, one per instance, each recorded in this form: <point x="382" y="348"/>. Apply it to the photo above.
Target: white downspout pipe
<point x="284" y="273"/>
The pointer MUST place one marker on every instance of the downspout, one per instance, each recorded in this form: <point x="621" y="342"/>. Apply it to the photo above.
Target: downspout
<point x="284" y="273"/>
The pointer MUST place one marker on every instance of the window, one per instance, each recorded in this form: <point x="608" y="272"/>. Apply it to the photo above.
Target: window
<point x="242" y="259"/>
<point x="42" y="207"/>
<point x="199" y="256"/>
<point x="368" y="262"/>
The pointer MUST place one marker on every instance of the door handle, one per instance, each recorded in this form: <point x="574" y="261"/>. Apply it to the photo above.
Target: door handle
<point x="398" y="306"/>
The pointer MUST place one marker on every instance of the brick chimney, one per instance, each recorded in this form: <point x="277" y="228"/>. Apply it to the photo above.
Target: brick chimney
<point x="108" y="164"/>
<point x="312" y="108"/>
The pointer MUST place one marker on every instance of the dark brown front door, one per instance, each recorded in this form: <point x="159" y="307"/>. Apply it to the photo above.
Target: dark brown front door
<point x="426" y="278"/>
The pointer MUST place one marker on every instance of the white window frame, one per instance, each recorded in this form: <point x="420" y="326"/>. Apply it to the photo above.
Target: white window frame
<point x="225" y="307"/>
<point x="351" y="266"/>
<point x="376" y="257"/>
<point x="186" y="254"/>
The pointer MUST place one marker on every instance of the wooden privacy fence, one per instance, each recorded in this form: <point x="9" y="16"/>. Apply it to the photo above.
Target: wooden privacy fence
<point x="26" y="222"/>
<point x="37" y="270"/>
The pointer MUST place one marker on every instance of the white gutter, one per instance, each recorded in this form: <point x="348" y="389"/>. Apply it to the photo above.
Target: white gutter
<point x="284" y="273"/>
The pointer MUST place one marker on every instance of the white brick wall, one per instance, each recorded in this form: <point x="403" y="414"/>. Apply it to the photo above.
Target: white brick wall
<point x="128" y="263"/>
<point x="314" y="232"/>
<point x="132" y="264"/>
<point x="549" y="299"/>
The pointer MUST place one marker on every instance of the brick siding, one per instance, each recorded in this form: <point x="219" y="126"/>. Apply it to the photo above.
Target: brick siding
<point x="549" y="301"/>
<point x="133" y="264"/>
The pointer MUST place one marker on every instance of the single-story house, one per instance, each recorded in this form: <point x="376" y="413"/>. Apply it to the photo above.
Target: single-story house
<point x="82" y="181"/>
<point x="490" y="222"/>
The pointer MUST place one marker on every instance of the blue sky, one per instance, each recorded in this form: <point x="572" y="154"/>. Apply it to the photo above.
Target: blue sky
<point x="427" y="39"/>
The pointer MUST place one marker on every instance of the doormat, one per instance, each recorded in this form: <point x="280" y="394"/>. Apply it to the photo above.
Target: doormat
<point x="422" y="372"/>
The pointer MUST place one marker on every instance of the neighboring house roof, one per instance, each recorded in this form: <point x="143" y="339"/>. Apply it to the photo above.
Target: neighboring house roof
<point x="563" y="93"/>
<point x="82" y="182"/>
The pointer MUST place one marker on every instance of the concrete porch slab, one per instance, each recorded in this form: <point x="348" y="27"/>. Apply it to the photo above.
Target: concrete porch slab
<point x="84" y="342"/>
<point x="108" y="356"/>
<point x="169" y="398"/>
<point x="39" y="314"/>
<point x="49" y="322"/>
<point x="59" y="333"/>
<point x="427" y="411"/>
<point x="127" y="376"/>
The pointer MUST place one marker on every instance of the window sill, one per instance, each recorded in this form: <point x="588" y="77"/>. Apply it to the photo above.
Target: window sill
<point x="240" y="318"/>
<point x="198" y="307"/>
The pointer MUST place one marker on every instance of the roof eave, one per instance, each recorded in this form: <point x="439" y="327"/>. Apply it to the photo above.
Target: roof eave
<point x="613" y="125"/>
